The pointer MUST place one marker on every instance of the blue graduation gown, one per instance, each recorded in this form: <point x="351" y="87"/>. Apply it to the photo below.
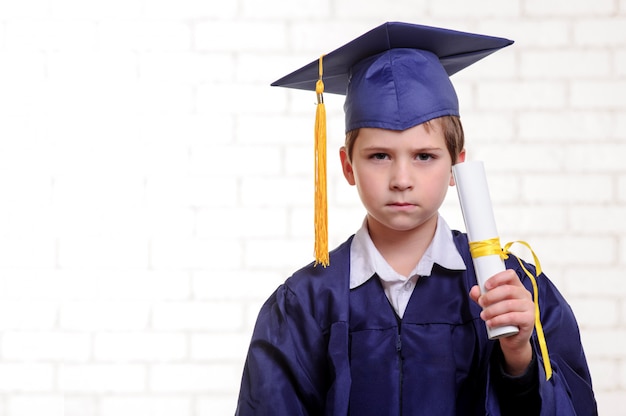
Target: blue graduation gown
<point x="319" y="348"/>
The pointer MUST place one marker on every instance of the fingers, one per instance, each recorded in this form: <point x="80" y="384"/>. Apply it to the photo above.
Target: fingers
<point x="505" y="301"/>
<point x="507" y="277"/>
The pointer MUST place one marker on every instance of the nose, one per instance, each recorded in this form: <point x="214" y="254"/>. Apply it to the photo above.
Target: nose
<point x="401" y="179"/>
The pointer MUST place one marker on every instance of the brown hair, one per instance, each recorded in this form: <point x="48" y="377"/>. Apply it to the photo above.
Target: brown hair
<point x="452" y="133"/>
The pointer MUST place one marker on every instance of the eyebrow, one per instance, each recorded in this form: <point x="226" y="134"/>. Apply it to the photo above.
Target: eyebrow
<point x="382" y="149"/>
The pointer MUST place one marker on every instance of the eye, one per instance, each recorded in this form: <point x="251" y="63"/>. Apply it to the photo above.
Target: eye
<point x="379" y="156"/>
<point x="424" y="156"/>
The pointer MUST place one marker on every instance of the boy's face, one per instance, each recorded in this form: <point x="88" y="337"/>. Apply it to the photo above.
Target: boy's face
<point x="402" y="176"/>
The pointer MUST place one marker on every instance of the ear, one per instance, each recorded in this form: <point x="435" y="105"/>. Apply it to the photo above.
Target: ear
<point x="346" y="166"/>
<point x="460" y="159"/>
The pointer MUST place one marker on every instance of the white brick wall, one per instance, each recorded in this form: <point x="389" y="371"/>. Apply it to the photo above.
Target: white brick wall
<point x="155" y="189"/>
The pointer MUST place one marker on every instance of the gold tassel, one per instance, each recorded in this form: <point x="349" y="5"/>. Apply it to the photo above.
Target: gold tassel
<point x="321" y="204"/>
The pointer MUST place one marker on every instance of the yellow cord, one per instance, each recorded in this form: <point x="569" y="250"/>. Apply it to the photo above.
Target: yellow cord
<point x="321" y="203"/>
<point x="492" y="247"/>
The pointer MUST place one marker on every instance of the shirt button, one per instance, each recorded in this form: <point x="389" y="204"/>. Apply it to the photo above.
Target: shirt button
<point x="408" y="286"/>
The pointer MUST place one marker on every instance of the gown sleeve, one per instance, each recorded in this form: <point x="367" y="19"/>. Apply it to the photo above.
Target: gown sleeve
<point x="569" y="391"/>
<point x="285" y="364"/>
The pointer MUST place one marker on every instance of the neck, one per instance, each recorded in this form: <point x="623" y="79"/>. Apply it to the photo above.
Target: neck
<point x="402" y="249"/>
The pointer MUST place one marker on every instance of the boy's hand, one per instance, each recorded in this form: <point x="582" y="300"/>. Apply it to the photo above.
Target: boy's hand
<point x="507" y="302"/>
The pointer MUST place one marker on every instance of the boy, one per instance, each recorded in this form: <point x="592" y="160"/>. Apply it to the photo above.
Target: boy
<point x="395" y="324"/>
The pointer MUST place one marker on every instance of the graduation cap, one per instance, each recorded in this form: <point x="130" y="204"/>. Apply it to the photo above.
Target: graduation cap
<point x="395" y="76"/>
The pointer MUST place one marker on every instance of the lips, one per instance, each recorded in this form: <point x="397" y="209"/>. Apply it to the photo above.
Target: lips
<point x="400" y="204"/>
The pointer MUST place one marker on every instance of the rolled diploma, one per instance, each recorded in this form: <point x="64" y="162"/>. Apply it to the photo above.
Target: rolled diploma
<point x="480" y="224"/>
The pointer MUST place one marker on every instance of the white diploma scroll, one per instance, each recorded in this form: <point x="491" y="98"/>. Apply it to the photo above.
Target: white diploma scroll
<point x="480" y="224"/>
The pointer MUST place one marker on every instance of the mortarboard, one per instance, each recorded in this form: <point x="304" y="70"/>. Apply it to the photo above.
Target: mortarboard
<point x="395" y="76"/>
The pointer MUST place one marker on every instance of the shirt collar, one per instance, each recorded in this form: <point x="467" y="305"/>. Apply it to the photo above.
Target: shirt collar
<point x="366" y="260"/>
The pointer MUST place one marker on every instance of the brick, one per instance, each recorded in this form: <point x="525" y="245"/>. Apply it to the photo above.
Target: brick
<point x="26" y="377"/>
<point x="171" y="132"/>
<point x="277" y="129"/>
<point x="252" y="67"/>
<point x="287" y="254"/>
<point x="52" y="405"/>
<point x="528" y="33"/>
<point x="140" y="346"/>
<point x="568" y="8"/>
<point x="28" y="251"/>
<point x="598" y="95"/>
<point x="566" y="126"/>
<point x="195" y="378"/>
<point x="619" y="130"/>
<point x="211" y="316"/>
<point x="27" y="346"/>
<point x="621" y="188"/>
<point x="239" y="35"/>
<point x="233" y="347"/>
<point x="186" y="67"/>
<point x="274" y="191"/>
<point x="195" y="254"/>
<point x="605" y="157"/>
<point x="619" y="59"/>
<point x="481" y="128"/>
<point x="90" y="191"/>
<point x="16" y="103"/>
<point x="600" y="32"/>
<point x="104" y="315"/>
<point x="573" y="250"/>
<point x="342" y="223"/>
<point x="251" y="222"/>
<point x="309" y="40"/>
<point x="597" y="220"/>
<point x="49" y="34"/>
<point x="597" y="282"/>
<point x="605" y="343"/>
<point x="174" y="197"/>
<point x="622" y="251"/>
<point x="146" y="406"/>
<point x="285" y="9"/>
<point x="144" y="35"/>
<point x="21" y="219"/>
<point x="251" y="160"/>
<point x="79" y="405"/>
<point x="544" y="158"/>
<point x="565" y="64"/>
<point x="103" y="252"/>
<point x="604" y="373"/>
<point x="27" y="314"/>
<point x="609" y="401"/>
<point x="222" y="404"/>
<point x="522" y="220"/>
<point x="35" y="284"/>
<point x="218" y="286"/>
<point x="102" y="378"/>
<point x="567" y="188"/>
<point x="93" y="9"/>
<point x="24" y="9"/>
<point x="491" y="8"/>
<point x="522" y="95"/>
<point x="238" y="98"/>
<point x="190" y="9"/>
<point x="595" y="313"/>
<point x="145" y="285"/>
<point x="82" y="66"/>
<point x="21" y="66"/>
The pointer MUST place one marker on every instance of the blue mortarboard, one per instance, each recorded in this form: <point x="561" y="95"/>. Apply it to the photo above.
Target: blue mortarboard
<point x="395" y="76"/>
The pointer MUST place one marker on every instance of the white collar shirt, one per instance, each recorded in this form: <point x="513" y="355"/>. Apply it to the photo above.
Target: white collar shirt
<point x="366" y="262"/>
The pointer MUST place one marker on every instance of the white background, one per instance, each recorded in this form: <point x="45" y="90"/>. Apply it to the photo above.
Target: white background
<point x="154" y="190"/>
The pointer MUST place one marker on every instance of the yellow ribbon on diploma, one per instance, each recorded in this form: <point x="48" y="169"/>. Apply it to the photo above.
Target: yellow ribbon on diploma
<point x="492" y="247"/>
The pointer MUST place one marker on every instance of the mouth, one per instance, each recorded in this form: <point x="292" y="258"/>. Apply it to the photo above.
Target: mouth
<point x="401" y="204"/>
